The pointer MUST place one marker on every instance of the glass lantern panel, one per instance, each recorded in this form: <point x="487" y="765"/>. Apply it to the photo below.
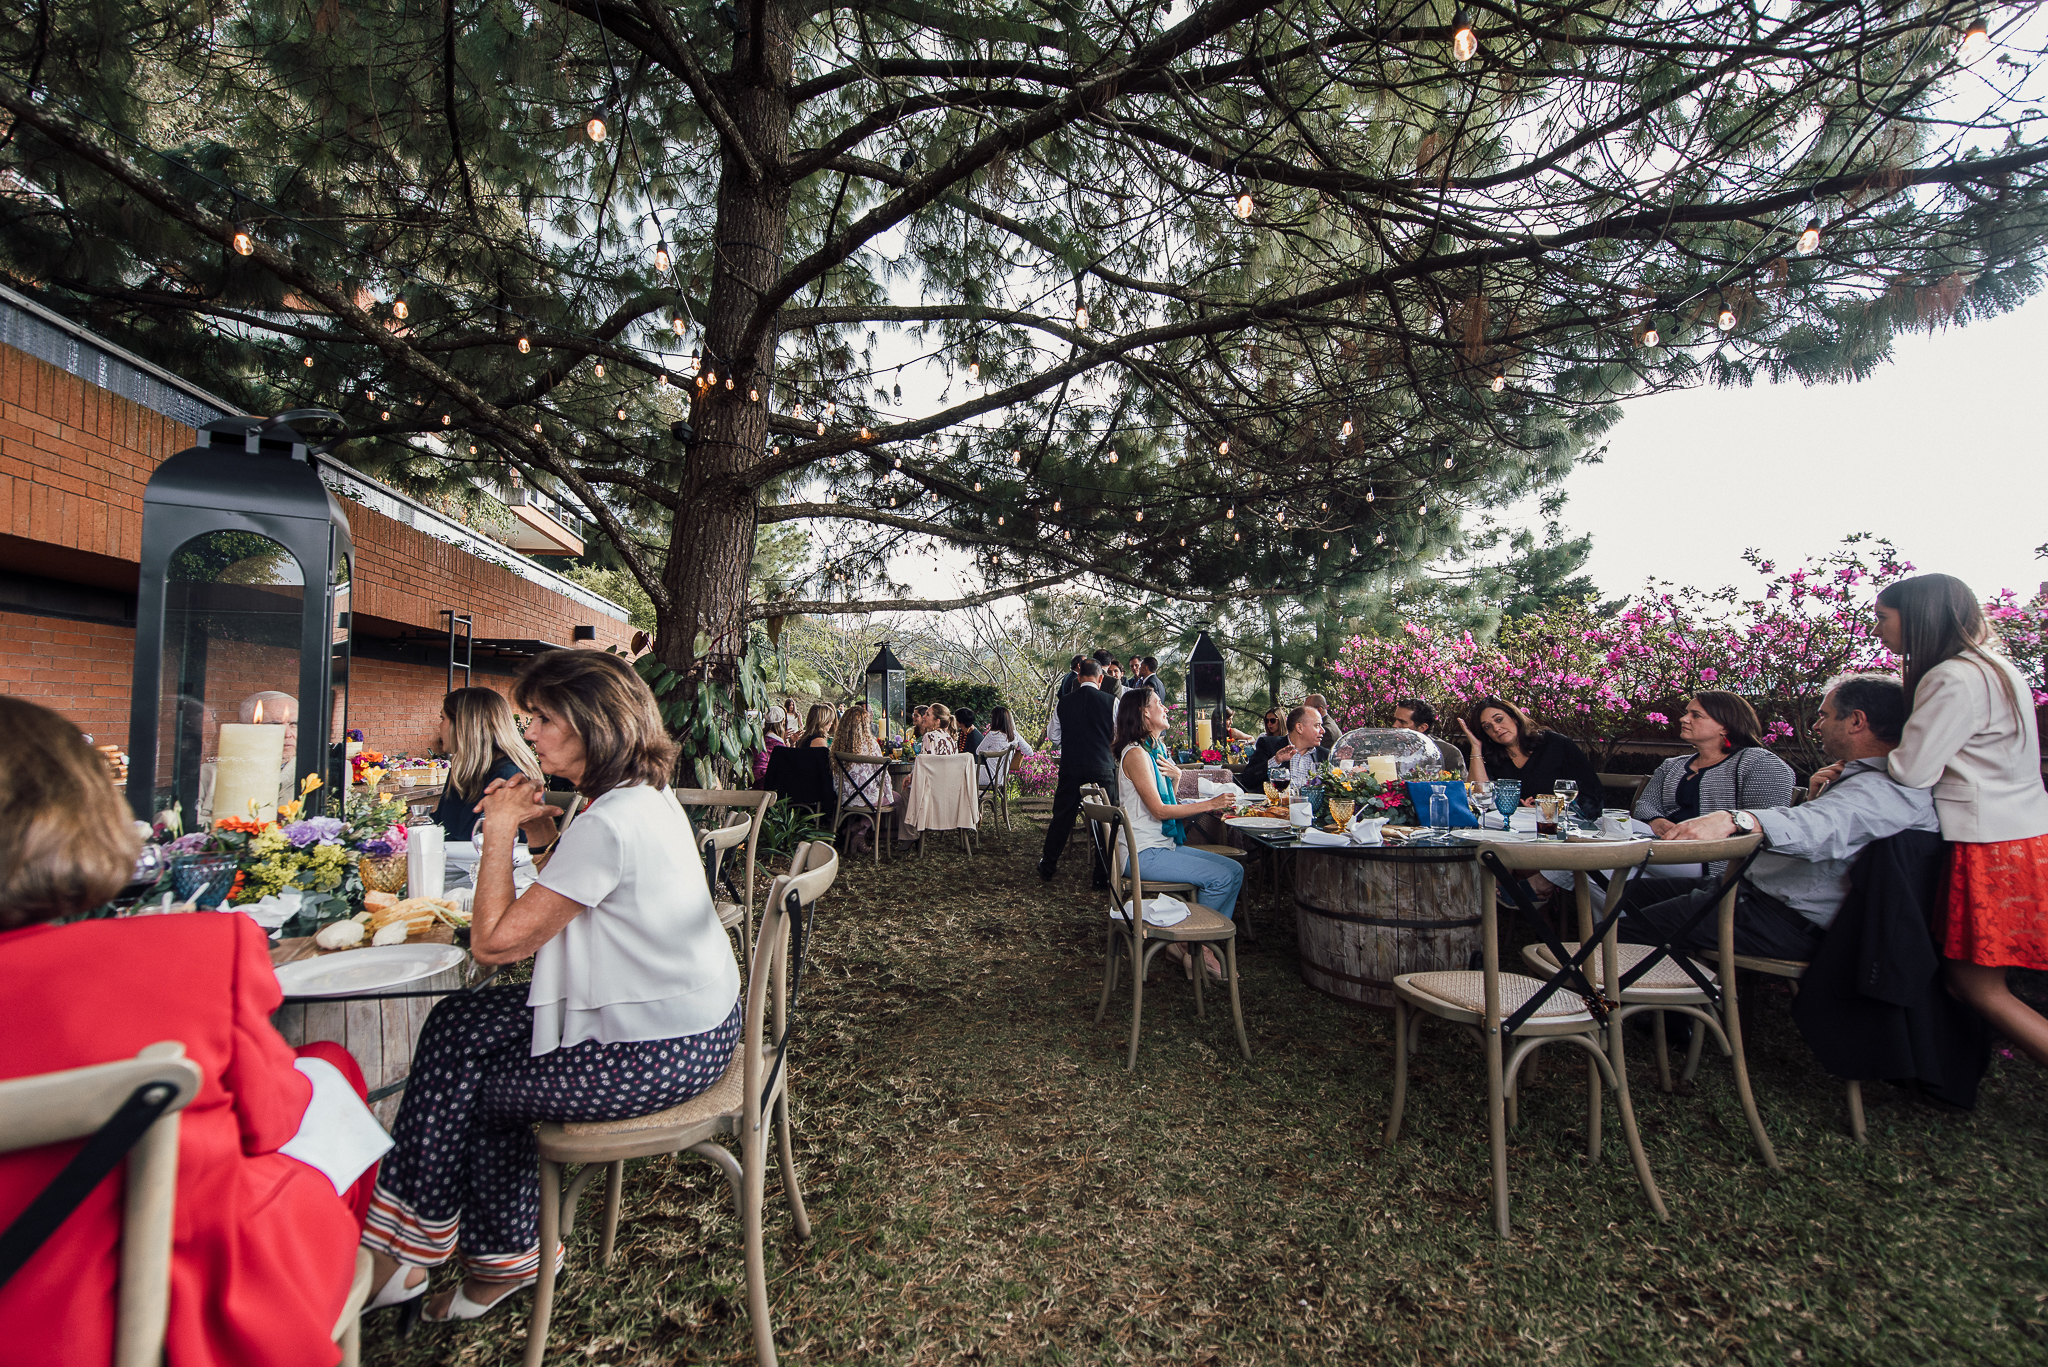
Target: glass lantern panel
<point x="339" y="625"/>
<point x="899" y="713"/>
<point x="233" y="617"/>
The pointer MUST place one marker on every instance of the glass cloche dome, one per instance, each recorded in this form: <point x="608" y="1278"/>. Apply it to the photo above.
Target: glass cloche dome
<point x="1410" y="750"/>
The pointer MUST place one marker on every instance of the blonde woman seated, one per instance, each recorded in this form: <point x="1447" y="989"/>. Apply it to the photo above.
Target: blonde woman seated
<point x="481" y="738"/>
<point x="818" y="724"/>
<point x="862" y="784"/>
<point x="1144" y="780"/>
<point x="941" y="734"/>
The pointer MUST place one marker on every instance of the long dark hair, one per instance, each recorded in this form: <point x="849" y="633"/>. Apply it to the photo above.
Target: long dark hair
<point x="1735" y="716"/>
<point x="999" y="720"/>
<point x="1490" y="750"/>
<point x="1130" y="723"/>
<point x="1939" y="619"/>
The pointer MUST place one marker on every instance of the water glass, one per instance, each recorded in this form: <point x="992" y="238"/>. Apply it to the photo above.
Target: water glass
<point x="1567" y="791"/>
<point x="1439" y="810"/>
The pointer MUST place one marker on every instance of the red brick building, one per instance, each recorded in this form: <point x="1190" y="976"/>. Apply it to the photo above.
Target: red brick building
<point x="83" y="425"/>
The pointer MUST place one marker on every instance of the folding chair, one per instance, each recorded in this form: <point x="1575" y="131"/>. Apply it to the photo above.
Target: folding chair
<point x="864" y="797"/>
<point x="1130" y="934"/>
<point x="752" y="1094"/>
<point x="1512" y="1015"/>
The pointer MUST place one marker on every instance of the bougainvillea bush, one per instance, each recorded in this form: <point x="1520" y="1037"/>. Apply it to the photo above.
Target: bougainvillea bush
<point x="1626" y="676"/>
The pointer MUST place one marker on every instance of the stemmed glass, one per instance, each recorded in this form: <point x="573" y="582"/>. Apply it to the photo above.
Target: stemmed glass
<point x="1567" y="790"/>
<point x="1507" y="795"/>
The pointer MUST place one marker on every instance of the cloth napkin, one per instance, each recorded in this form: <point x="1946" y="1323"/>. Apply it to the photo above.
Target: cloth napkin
<point x="1312" y="836"/>
<point x="273" y="911"/>
<point x="1524" y="820"/>
<point x="1207" y="788"/>
<point x="337" y="1134"/>
<point x="1160" y="911"/>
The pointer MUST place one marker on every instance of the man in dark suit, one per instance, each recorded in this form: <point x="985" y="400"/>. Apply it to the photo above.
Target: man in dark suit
<point x="1150" y="676"/>
<point x="1086" y="728"/>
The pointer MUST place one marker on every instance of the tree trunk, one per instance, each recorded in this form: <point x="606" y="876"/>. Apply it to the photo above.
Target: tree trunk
<point x="711" y="541"/>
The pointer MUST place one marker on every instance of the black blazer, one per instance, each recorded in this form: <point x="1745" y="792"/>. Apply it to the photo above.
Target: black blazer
<point x="1087" y="726"/>
<point x="1262" y="752"/>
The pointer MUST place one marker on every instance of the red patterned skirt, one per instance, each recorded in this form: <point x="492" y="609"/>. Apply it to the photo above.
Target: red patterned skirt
<point x="1998" y="904"/>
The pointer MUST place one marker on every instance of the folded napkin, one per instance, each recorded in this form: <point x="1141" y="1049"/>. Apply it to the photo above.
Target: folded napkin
<point x="1524" y="820"/>
<point x="273" y="911"/>
<point x="1312" y="836"/>
<point x="1493" y="821"/>
<point x="1365" y="830"/>
<point x="1159" y="911"/>
<point x="337" y="1134"/>
<point x="1206" y="788"/>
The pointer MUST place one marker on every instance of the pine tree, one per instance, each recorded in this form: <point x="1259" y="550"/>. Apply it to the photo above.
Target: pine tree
<point x="1225" y="302"/>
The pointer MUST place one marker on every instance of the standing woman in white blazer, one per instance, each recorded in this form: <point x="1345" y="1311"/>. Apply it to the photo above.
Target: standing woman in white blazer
<point x="1970" y="735"/>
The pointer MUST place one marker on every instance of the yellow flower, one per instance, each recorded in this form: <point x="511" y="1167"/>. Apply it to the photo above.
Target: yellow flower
<point x="308" y="784"/>
<point x="290" y="811"/>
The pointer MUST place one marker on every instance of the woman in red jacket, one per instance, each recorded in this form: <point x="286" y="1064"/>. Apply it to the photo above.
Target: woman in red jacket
<point x="263" y="1248"/>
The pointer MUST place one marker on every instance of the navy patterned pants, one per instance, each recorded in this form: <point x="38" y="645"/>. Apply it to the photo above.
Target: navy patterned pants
<point x="465" y="1162"/>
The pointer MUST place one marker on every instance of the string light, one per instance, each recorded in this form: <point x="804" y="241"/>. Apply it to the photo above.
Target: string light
<point x="753" y="394"/>
<point x="1016" y="457"/>
<point x="679" y="325"/>
<point x="622" y="414"/>
<point x="524" y="345"/>
<point x="1345" y="430"/>
<point x="1081" y="317"/>
<point x="1809" y="241"/>
<point x="1379" y="538"/>
<point x="1055" y="505"/>
<point x="309" y="362"/>
<point x="821" y="429"/>
<point x="1223" y="448"/>
<point x="1183" y="541"/>
<point x="1500" y="381"/>
<point x="536" y="429"/>
<point x="244" y="240"/>
<point x="661" y="380"/>
<point x="1447" y="462"/>
<point x="1976" y="42"/>
<point x="1236" y="536"/>
<point x="472" y="450"/>
<point x="728" y="381"/>
<point x="1725" y="319"/>
<point x="977" y="486"/>
<point x="662" y="259"/>
<point x="1245" y="205"/>
<point x="1231" y="511"/>
<point x="1112" y="457"/>
<point x="595" y="128"/>
<point x="600" y="370"/>
<point x="399" y="310"/>
<point x="1650" y="336"/>
<point x="999" y="520"/>
<point x="974" y="370"/>
<point x="370" y="394"/>
<point x="1464" y="39"/>
<point x="1369" y="495"/>
<point x="830" y="409"/>
<point x="866" y="435"/>
<point x="385" y="416"/>
<point x="446" y="420"/>
<point x="1141" y="514"/>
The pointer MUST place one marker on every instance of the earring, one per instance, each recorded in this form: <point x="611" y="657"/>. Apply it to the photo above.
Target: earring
<point x="1727" y="746"/>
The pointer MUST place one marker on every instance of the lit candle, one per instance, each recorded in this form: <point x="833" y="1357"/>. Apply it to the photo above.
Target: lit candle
<point x="1385" y="769"/>
<point x="251" y="754"/>
<point x="1204" y="735"/>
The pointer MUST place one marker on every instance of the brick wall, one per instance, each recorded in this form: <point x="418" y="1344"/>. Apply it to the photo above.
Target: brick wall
<point x="397" y="706"/>
<point x="80" y="668"/>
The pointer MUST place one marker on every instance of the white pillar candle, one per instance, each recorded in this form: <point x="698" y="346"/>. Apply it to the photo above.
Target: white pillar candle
<point x="426" y="861"/>
<point x="1385" y="768"/>
<point x="1203" y="734"/>
<point x="251" y="754"/>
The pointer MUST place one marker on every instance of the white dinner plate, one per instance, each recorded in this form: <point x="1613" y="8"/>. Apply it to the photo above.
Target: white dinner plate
<point x="375" y="969"/>
<point x="1259" y="823"/>
<point x="1498" y="837"/>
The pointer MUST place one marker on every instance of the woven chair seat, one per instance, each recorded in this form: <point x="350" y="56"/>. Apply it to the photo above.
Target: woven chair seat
<point x="722" y="1097"/>
<point x="1665" y="979"/>
<point x="1202" y="923"/>
<point x="1464" y="990"/>
<point x="1777" y="968"/>
<point x="730" y="914"/>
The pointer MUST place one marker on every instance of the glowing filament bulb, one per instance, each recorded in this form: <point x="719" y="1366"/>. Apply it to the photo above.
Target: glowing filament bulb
<point x="309" y="362"/>
<point x="446" y="420"/>
<point x="1141" y="514"/>
<point x="600" y="370"/>
<point x="524" y="346"/>
<point x="1223" y="448"/>
<point x="472" y="450"/>
<point x="536" y="428"/>
<point x="621" y="415"/>
<point x="1230" y="511"/>
<point x="1237" y="536"/>
<point x="1081" y="317"/>
<point x="728" y="382"/>
<point x="399" y="310"/>
<point x="1326" y="545"/>
<point x="1976" y="42"/>
<point x="1725" y="319"/>
<point x="1379" y="538"/>
<point x="1112" y="457"/>
<point x="385" y="416"/>
<point x="661" y="380"/>
<point x="1245" y="205"/>
<point x="1345" y="430"/>
<point x="370" y="394"/>
<point x="866" y="435"/>
<point x="977" y="486"/>
<point x="1650" y="337"/>
<point x="830" y="409"/>
<point x="999" y="520"/>
<point x="899" y="459"/>
<point x="1016" y="457"/>
<point x="1055" y="505"/>
<point x="679" y="325"/>
<point x="1809" y="241"/>
<point x="595" y="128"/>
<point x="1447" y="462"/>
<point x="244" y="241"/>
<point x="753" y="395"/>
<point x="1368" y="495"/>
<point x="1464" y="39"/>
<point x="974" y="370"/>
<point x="821" y="429"/>
<point x="1500" y="382"/>
<point x="662" y="260"/>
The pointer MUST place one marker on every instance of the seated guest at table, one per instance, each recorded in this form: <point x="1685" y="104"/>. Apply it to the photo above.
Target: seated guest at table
<point x="481" y="738"/>
<point x="1971" y="736"/>
<point x="1793" y="891"/>
<point x="1275" y="736"/>
<point x="773" y="721"/>
<point x="1231" y="732"/>
<point x="1002" y="735"/>
<point x="263" y="1249"/>
<point x="865" y="783"/>
<point x="1304" y="750"/>
<point x="970" y="734"/>
<point x="941" y="734"/>
<point x="818" y="725"/>
<point x="1145" y="787"/>
<point x="1331" y="734"/>
<point x="1506" y="745"/>
<point x="634" y="1004"/>
<point x="1728" y="769"/>
<point x="1413" y="714"/>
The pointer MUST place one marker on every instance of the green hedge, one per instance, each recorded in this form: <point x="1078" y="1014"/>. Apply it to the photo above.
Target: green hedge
<point x="978" y="698"/>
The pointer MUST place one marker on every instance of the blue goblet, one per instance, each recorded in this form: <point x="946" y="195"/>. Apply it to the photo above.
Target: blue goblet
<point x="203" y="879"/>
<point x="1507" y="795"/>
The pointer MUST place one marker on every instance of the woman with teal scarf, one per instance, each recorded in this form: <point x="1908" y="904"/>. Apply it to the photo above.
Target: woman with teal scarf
<point x="1145" y="780"/>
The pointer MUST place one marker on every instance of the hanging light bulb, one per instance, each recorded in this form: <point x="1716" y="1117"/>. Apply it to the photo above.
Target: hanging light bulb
<point x="1976" y="42"/>
<point x="1447" y="462"/>
<point x="1369" y="495"/>
<point x="1016" y="457"/>
<point x="1725" y="319"/>
<point x="595" y="128"/>
<point x="1055" y="505"/>
<point x="728" y="382"/>
<point x="399" y="310"/>
<point x="866" y="435"/>
<point x="1326" y="545"/>
<point x="831" y="408"/>
<point x="621" y="415"/>
<point x="1237" y="536"/>
<point x="1650" y="335"/>
<point x="999" y="520"/>
<point x="753" y="394"/>
<point x="821" y="429"/>
<point x="472" y="450"/>
<point x="244" y="240"/>
<point x="695" y="362"/>
<point x="309" y="362"/>
<point x="1141" y="514"/>
<point x="1345" y="430"/>
<point x="710" y="377"/>
<point x="1081" y="316"/>
<point x="1809" y="241"/>
<point x="1354" y="550"/>
<point x="1245" y="204"/>
<point x="977" y="486"/>
<point x="1464" y="39"/>
<point x="1112" y="457"/>
<point x="1379" y="538"/>
<point x="679" y="325"/>
<point x="446" y="421"/>
<point x="1223" y="448"/>
<point x="661" y="380"/>
<point x="1070" y="534"/>
<point x="524" y="345"/>
<point x="662" y="260"/>
<point x="1183" y="541"/>
<point x="536" y="429"/>
<point x="892" y="503"/>
<point x="1500" y="381"/>
<point x="1231" y="511"/>
<point x="777" y="449"/>
<point x="600" y="370"/>
<point x="899" y="459"/>
<point x="385" y="416"/>
<point x="974" y="370"/>
<point x="370" y="394"/>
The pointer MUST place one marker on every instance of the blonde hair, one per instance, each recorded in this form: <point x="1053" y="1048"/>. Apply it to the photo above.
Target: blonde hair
<point x="856" y="736"/>
<point x="485" y="732"/>
<point x="817" y="722"/>
<point x="942" y="720"/>
<point x="67" y="842"/>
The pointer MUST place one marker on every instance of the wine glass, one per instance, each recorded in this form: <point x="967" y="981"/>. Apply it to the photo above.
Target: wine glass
<point x="1567" y="791"/>
<point x="1277" y="774"/>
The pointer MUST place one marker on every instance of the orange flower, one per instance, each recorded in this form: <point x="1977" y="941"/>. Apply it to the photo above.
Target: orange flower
<point x="240" y="825"/>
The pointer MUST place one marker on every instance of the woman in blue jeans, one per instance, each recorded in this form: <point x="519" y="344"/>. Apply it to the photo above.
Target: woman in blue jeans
<point x="1145" y="778"/>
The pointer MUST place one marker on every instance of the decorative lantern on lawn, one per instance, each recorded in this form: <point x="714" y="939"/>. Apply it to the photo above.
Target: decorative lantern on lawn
<point x="885" y="693"/>
<point x="1205" y="695"/>
<point x="241" y="625"/>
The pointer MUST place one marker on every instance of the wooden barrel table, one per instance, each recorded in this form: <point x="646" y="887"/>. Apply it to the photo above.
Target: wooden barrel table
<point x="379" y="1034"/>
<point x="1364" y="915"/>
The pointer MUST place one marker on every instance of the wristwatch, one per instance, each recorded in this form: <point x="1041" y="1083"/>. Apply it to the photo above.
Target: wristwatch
<point x="1744" y="822"/>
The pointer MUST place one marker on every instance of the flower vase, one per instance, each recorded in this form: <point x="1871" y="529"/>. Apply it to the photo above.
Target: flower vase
<point x="204" y="879"/>
<point x="383" y="873"/>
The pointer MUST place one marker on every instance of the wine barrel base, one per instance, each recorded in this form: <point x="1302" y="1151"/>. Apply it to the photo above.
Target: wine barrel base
<point x="1363" y="918"/>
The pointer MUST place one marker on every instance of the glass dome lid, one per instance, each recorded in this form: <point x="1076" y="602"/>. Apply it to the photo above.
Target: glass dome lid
<point x="1410" y="750"/>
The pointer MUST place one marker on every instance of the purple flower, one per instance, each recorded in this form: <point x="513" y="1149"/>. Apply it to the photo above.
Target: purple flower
<point x="378" y="848"/>
<point x="194" y="843"/>
<point x="315" y="830"/>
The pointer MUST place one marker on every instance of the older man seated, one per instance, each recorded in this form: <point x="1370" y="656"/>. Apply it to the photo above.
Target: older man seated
<point x="1795" y="887"/>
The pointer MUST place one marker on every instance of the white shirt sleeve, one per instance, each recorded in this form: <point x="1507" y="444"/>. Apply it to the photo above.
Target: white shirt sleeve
<point x="587" y="864"/>
<point x="1945" y="716"/>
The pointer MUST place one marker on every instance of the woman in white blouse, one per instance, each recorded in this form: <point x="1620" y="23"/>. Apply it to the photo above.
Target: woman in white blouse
<point x="1002" y="735"/>
<point x="634" y="1005"/>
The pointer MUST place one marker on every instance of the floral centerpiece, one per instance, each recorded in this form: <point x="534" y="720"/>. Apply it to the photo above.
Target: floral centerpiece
<point x="1372" y="797"/>
<point x="366" y="768"/>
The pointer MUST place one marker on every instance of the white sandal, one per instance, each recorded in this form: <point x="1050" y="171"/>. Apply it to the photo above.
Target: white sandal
<point x="463" y="1308"/>
<point x="396" y="1292"/>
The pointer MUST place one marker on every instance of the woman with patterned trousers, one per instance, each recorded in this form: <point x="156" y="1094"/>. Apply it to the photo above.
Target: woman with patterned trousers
<point x="634" y="1005"/>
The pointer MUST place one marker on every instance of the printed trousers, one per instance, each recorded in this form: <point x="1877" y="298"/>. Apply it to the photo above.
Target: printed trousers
<point x="465" y="1164"/>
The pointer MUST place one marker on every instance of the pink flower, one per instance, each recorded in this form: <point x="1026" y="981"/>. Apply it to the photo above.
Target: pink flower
<point x="1709" y="675"/>
<point x="1657" y="717"/>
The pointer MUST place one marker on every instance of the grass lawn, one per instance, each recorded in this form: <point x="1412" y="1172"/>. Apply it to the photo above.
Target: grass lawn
<point x="989" y="1185"/>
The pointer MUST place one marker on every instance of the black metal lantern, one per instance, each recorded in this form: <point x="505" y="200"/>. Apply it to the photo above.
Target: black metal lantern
<point x="1205" y="691"/>
<point x="885" y="693"/>
<point x="241" y="626"/>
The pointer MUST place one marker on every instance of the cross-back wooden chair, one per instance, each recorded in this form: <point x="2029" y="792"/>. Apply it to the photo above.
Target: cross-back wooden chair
<point x="871" y="797"/>
<point x="1130" y="935"/>
<point x="992" y="776"/>
<point x="748" y="809"/>
<point x="1512" y="1015"/>
<point x="752" y="1094"/>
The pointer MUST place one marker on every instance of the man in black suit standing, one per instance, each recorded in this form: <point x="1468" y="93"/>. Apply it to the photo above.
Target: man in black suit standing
<point x="1086" y="728"/>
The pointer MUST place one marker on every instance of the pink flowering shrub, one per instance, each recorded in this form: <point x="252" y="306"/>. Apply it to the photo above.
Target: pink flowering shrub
<point x="1608" y="679"/>
<point x="1038" y="774"/>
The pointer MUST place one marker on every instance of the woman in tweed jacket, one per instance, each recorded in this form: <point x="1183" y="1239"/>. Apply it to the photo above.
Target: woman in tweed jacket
<point x="1728" y="769"/>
